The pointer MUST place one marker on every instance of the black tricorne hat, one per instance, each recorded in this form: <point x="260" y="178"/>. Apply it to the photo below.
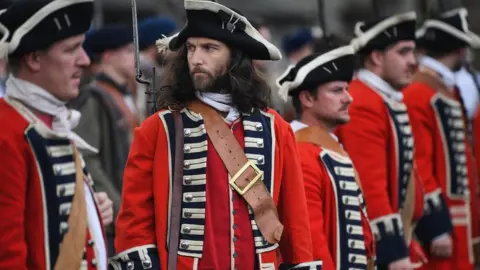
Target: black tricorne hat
<point x="212" y="20"/>
<point x="315" y="70"/>
<point x="380" y="34"/>
<point x="36" y="25"/>
<point x="447" y="32"/>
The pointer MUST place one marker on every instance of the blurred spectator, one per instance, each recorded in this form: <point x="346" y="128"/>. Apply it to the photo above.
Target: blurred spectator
<point x="149" y="31"/>
<point x="108" y="111"/>
<point x="300" y="43"/>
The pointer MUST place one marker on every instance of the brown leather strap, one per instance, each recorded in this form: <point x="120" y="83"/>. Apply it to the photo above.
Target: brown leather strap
<point x="176" y="208"/>
<point x="234" y="159"/>
<point x="406" y="213"/>
<point x="320" y="137"/>
<point x="429" y="77"/>
<point x="71" y="249"/>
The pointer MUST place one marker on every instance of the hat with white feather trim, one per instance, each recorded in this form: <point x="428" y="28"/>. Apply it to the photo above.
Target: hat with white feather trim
<point x="315" y="70"/>
<point x="447" y="32"/>
<point x="212" y="20"/>
<point x="379" y="34"/>
<point x="36" y="25"/>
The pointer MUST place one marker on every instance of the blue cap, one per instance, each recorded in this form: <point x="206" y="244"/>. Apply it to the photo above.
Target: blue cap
<point x="107" y="38"/>
<point x="154" y="28"/>
<point x="297" y="40"/>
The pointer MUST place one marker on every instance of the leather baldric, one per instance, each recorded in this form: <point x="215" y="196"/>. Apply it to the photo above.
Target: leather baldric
<point x="71" y="248"/>
<point x="246" y="178"/>
<point x="174" y="231"/>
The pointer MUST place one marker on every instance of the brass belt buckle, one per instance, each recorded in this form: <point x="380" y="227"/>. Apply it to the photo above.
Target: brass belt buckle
<point x="240" y="172"/>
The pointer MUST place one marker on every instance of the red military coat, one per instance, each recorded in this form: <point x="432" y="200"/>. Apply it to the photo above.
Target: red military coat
<point x="379" y="141"/>
<point x="335" y="203"/>
<point x="445" y="167"/>
<point x="37" y="184"/>
<point x="216" y="231"/>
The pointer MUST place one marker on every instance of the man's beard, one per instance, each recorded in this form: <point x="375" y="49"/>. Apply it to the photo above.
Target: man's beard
<point x="209" y="83"/>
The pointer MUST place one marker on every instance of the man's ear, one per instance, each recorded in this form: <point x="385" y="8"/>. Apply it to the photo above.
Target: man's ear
<point x="306" y="99"/>
<point x="32" y="61"/>
<point x="377" y="58"/>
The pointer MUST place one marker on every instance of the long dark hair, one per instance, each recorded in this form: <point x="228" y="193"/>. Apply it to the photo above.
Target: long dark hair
<point x="248" y="87"/>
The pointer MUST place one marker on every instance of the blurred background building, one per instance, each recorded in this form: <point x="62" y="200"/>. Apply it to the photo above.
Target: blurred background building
<point x="283" y="16"/>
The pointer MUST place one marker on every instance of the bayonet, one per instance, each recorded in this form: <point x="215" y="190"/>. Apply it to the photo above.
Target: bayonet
<point x="150" y="83"/>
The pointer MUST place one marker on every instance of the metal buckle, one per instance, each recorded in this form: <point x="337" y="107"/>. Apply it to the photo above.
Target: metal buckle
<point x="240" y="172"/>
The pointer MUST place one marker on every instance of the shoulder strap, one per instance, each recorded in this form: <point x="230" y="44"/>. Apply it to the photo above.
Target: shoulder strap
<point x="246" y="178"/>
<point x="176" y="209"/>
<point x="71" y="249"/>
<point x="320" y="137"/>
<point x="427" y="77"/>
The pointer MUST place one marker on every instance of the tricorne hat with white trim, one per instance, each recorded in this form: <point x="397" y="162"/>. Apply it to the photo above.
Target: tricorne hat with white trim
<point x="36" y="25"/>
<point x="380" y="34"/>
<point x="212" y="20"/>
<point x="448" y="31"/>
<point x="315" y="70"/>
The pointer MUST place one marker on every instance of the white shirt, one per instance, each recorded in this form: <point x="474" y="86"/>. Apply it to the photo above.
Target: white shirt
<point x="297" y="125"/>
<point x="374" y="81"/>
<point x="468" y="91"/>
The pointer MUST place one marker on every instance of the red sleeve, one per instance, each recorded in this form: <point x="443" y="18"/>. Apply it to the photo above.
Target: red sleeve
<point x="475" y="180"/>
<point x="135" y="223"/>
<point x="423" y="122"/>
<point x="296" y="243"/>
<point x="314" y="180"/>
<point x="436" y="219"/>
<point x="365" y="139"/>
<point x="13" y="187"/>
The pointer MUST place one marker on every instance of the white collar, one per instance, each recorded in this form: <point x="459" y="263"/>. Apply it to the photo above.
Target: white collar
<point x="64" y="120"/>
<point x="377" y="83"/>
<point x="297" y="125"/>
<point x="446" y="74"/>
<point x="220" y="102"/>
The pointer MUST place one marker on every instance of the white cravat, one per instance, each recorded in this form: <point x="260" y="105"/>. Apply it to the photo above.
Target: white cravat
<point x="64" y="119"/>
<point x="447" y="76"/>
<point x="297" y="125"/>
<point x="377" y="83"/>
<point x="220" y="102"/>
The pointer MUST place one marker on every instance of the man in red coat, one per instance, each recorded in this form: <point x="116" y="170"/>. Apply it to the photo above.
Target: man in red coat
<point x="318" y="86"/>
<point x="51" y="219"/>
<point x="378" y="137"/>
<point x="443" y="155"/>
<point x="208" y="173"/>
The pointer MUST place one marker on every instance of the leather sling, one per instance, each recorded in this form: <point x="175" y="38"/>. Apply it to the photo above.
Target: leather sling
<point x="71" y="249"/>
<point x="246" y="178"/>
<point x="174" y="231"/>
